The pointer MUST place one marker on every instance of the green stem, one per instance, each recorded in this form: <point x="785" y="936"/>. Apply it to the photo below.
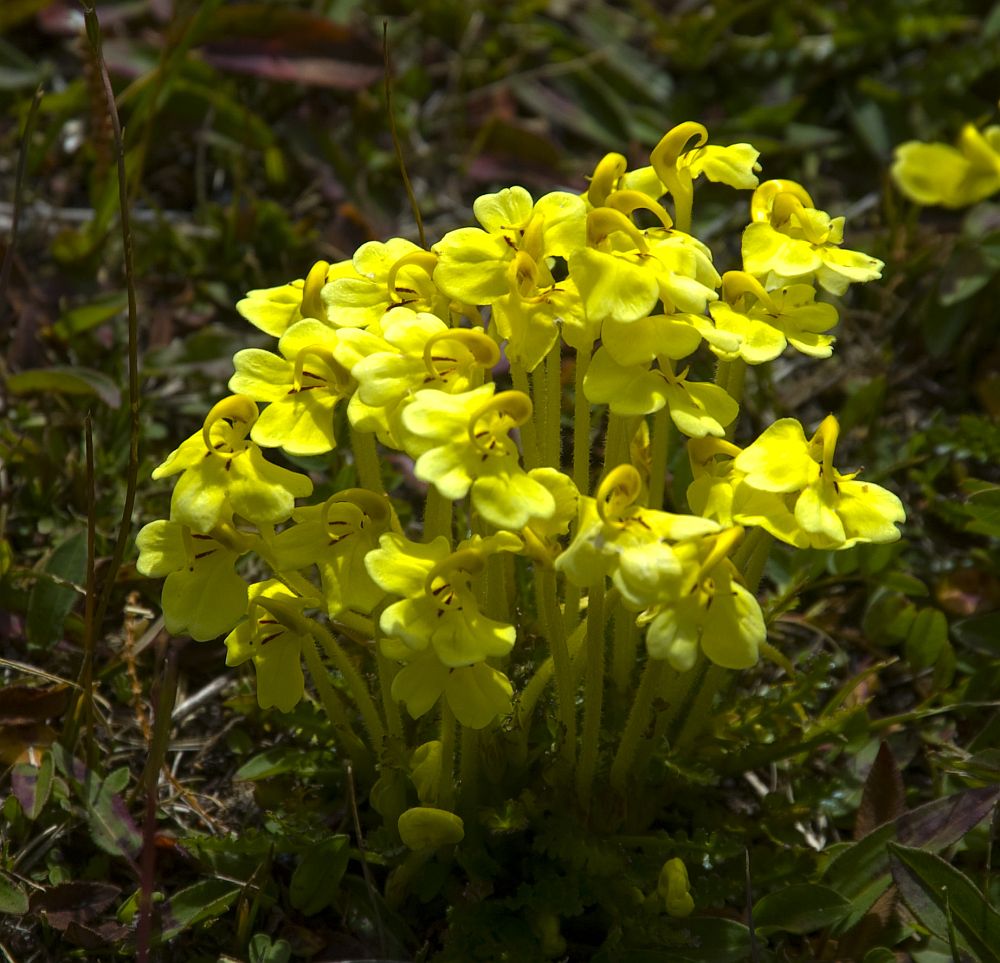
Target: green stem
<point x="446" y="780"/>
<point x="626" y="638"/>
<point x="548" y="607"/>
<point x="737" y="379"/>
<point x="437" y="515"/>
<point x="331" y="702"/>
<point x="616" y="441"/>
<point x="700" y="713"/>
<point x="752" y="557"/>
<point x="529" y="436"/>
<point x="532" y="692"/>
<point x="468" y="769"/>
<point x="386" y="674"/>
<point x="553" y="406"/>
<point x="355" y="684"/>
<point x="638" y="718"/>
<point x="571" y="609"/>
<point x="659" y="457"/>
<point x="366" y="461"/>
<point x="593" y="694"/>
<point x="581" y="424"/>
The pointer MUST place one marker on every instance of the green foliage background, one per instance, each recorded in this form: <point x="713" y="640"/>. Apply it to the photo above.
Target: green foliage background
<point x="257" y="140"/>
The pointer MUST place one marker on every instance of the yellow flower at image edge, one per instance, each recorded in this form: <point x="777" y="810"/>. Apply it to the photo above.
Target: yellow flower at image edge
<point x="276" y="651"/>
<point x="950" y="176"/>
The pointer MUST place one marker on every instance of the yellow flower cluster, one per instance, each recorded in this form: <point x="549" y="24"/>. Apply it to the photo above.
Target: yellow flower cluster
<point x="453" y="359"/>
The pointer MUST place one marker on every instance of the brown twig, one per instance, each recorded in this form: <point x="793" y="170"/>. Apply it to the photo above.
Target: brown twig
<point x="132" y="472"/>
<point x="22" y="157"/>
<point x="395" y="136"/>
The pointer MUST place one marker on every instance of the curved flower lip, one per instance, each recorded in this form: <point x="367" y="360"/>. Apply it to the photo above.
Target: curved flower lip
<point x="482" y="348"/>
<point x="618" y="492"/>
<point x="466" y="561"/>
<point x="765" y="195"/>
<point x="510" y="406"/>
<point x="232" y="411"/>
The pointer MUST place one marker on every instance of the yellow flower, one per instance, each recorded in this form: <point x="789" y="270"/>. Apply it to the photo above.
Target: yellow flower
<point x="202" y="594"/>
<point x="438" y="608"/>
<point x="765" y="322"/>
<point x="275" y="310"/>
<point x="697" y="408"/>
<point x="224" y="473"/>
<point x="462" y="447"/>
<point x="705" y="607"/>
<point x="472" y="263"/>
<point x="384" y="275"/>
<point x="302" y="388"/>
<point x="673" y="886"/>
<point x="336" y="536"/>
<point x="275" y="649"/>
<point x="832" y="510"/>
<point x="791" y="241"/>
<point x="952" y="177"/>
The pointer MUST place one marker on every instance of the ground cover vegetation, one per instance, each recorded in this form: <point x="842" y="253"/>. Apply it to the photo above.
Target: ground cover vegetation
<point x="481" y="617"/>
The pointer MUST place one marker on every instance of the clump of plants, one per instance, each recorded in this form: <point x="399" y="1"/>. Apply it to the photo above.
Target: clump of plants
<point x="519" y="549"/>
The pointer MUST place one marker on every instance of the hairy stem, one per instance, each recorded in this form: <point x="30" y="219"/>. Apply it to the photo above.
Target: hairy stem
<point x="593" y="694"/>
<point x="638" y="719"/>
<point x="581" y="424"/>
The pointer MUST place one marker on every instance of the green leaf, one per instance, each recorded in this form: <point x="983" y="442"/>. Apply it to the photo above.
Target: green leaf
<point x="802" y="908"/>
<point x="713" y="940"/>
<point x="49" y="602"/>
<point x="860" y="873"/>
<point x="13" y="898"/>
<point x="111" y="826"/>
<point x="931" y="888"/>
<point x="881" y="954"/>
<point x="66" y="380"/>
<point x="317" y="878"/>
<point x="271" y="762"/>
<point x="86" y="316"/>
<point x="200" y="902"/>
<point x="262" y="950"/>
<point x="33" y="784"/>
<point x="926" y="639"/>
<point x="981" y="633"/>
<point x="983" y="508"/>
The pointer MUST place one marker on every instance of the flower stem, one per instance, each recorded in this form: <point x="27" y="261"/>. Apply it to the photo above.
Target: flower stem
<point x="552" y="620"/>
<point x="593" y="694"/>
<point x="529" y="434"/>
<point x="437" y="515"/>
<point x="366" y="461"/>
<point x="468" y="768"/>
<point x="356" y="685"/>
<point x="752" y="556"/>
<point x="659" y="457"/>
<point x="552" y="454"/>
<point x="700" y="712"/>
<point x="623" y="649"/>
<point x="638" y="718"/>
<point x="386" y="673"/>
<point x="446" y="781"/>
<point x="332" y="704"/>
<point x="617" y="439"/>
<point x="581" y="424"/>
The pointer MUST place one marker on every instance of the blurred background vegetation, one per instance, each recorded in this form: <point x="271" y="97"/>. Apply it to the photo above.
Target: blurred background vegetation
<point x="257" y="140"/>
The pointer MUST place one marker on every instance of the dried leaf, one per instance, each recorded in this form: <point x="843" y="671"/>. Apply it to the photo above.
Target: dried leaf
<point x="883" y="797"/>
